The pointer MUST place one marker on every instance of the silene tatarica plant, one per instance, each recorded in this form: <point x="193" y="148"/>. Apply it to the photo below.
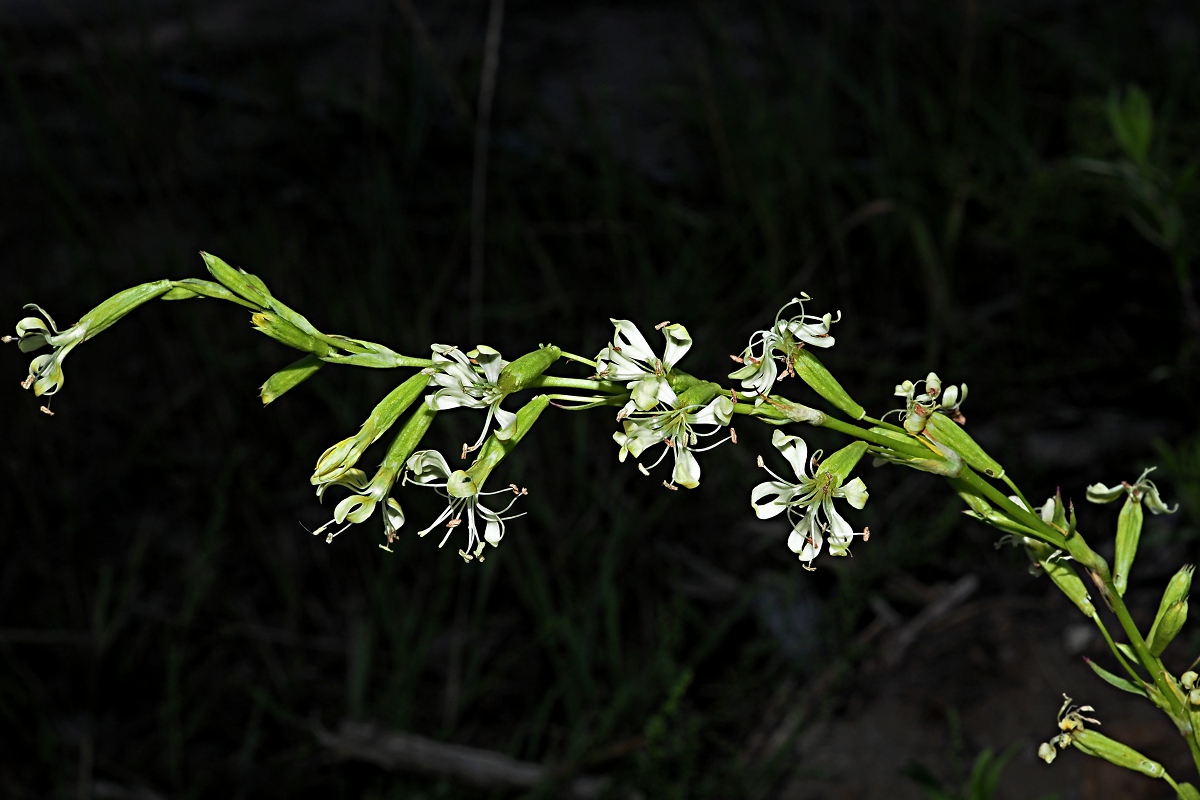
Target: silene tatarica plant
<point x="664" y="414"/>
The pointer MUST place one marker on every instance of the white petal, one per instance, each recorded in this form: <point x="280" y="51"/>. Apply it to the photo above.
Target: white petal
<point x="1099" y="493"/>
<point x="678" y="343"/>
<point x="393" y="515"/>
<point x="428" y="466"/>
<point x="687" y="468"/>
<point x="855" y="493"/>
<point x="779" y="494"/>
<point x="647" y="390"/>
<point x="630" y="340"/>
<point x="794" y="450"/>
<point x="795" y="542"/>
<point x="506" y="421"/>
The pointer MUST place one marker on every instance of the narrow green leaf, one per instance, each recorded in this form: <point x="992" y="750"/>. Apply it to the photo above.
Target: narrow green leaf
<point x="1115" y="680"/>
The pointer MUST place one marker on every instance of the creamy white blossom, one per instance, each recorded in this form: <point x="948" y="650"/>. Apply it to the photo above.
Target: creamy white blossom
<point x="469" y="380"/>
<point x="429" y="468"/>
<point x="778" y="344"/>
<point x="918" y="407"/>
<point x="809" y="501"/>
<point x="630" y="359"/>
<point x="676" y="430"/>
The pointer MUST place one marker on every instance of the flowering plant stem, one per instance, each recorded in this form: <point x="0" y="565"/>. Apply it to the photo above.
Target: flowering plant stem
<point x="660" y="404"/>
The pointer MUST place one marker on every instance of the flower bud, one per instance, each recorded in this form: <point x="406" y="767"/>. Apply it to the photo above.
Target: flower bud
<point x="944" y="430"/>
<point x="1046" y="752"/>
<point x="1166" y="626"/>
<point x="282" y="331"/>
<point x="1098" y="745"/>
<point x="239" y="281"/>
<point x="813" y="372"/>
<point x="1188" y="679"/>
<point x="289" y="378"/>
<point x="190" y="288"/>
<point x="1177" y="588"/>
<point x="1129" y="531"/>
<point x="517" y="375"/>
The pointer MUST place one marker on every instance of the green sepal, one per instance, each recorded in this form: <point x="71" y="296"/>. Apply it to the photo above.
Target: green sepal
<point x="698" y="394"/>
<point x="494" y="449"/>
<point x="944" y="430"/>
<point x="282" y="331"/>
<point x="120" y="304"/>
<point x="517" y="375"/>
<point x="289" y="378"/>
<point x="1115" y="680"/>
<point x="195" y="287"/>
<point x="813" y="372"/>
<point x="843" y="461"/>
<point x="1096" y="744"/>
<point x="1129" y="531"/>
<point x="342" y="456"/>
<point x="237" y="280"/>
<point x="406" y="441"/>
<point x="1186" y="791"/>
<point x="680" y="381"/>
<point x="1167" y="626"/>
<point x="1064" y="577"/>
<point x="796" y="412"/>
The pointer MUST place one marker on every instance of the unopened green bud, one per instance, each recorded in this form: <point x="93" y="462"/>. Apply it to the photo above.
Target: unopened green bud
<point x="1129" y="531"/>
<point x="1186" y="791"/>
<point x="944" y="430"/>
<point x="289" y="378"/>
<point x="1065" y="578"/>
<point x="239" y="281"/>
<point x="495" y="449"/>
<point x="1098" y="745"/>
<point x="1167" y="626"/>
<point x="1177" y="588"/>
<point x="517" y="375"/>
<point x="813" y="372"/>
<point x="698" y="394"/>
<point x="345" y="454"/>
<point x="282" y="331"/>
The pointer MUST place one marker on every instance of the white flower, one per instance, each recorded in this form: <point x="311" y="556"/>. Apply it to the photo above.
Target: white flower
<point x="1142" y="490"/>
<point x="918" y="407"/>
<point x="630" y="358"/>
<point x="429" y="468"/>
<point x="779" y="343"/>
<point x="45" y="372"/>
<point x="676" y="430"/>
<point x="470" y="380"/>
<point x="359" y="507"/>
<point x="808" y="500"/>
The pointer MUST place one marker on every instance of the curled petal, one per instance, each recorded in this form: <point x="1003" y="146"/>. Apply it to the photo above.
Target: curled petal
<point x="490" y="362"/>
<point x="794" y="450"/>
<point x="855" y="493"/>
<point x="427" y="467"/>
<point x="648" y="391"/>
<point x="631" y="342"/>
<point x="678" y="343"/>
<point x="717" y="412"/>
<point x="393" y="515"/>
<point x="1099" y="493"/>
<point x="356" y="508"/>
<point x="840" y="532"/>
<point x="687" y="468"/>
<point x="777" y="496"/>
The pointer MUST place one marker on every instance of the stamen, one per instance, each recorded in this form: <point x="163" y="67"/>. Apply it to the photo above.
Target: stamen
<point x="46" y="410"/>
<point x="25" y="384"/>
<point x="671" y="486"/>
<point x="662" y="325"/>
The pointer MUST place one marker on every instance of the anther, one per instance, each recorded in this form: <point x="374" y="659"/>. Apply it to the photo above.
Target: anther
<point x="662" y="325"/>
<point x="733" y="435"/>
<point x="866" y="534"/>
<point x="454" y="523"/>
<point x="8" y="339"/>
<point x="25" y="384"/>
<point x="738" y="359"/>
<point x="671" y="486"/>
<point x="760" y="463"/>
<point x="46" y="410"/>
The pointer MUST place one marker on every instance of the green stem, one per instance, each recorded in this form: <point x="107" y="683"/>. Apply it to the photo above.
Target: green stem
<point x="1116" y="651"/>
<point x="1009" y="481"/>
<point x="1039" y="527"/>
<point x="554" y="382"/>
<point x="580" y="359"/>
<point x="915" y="449"/>
<point x="881" y="424"/>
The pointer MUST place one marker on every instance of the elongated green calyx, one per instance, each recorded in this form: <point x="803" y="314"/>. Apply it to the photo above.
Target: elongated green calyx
<point x="943" y="430"/>
<point x="494" y="449"/>
<point x="518" y="374"/>
<point x="1172" y="611"/>
<point x="289" y="378"/>
<point x="1186" y="791"/>
<point x="698" y="394"/>
<point x="341" y="457"/>
<point x="284" y="332"/>
<point x="813" y="372"/>
<point x="940" y="461"/>
<point x="45" y="372"/>
<point x="238" y="281"/>
<point x="191" y="288"/>
<point x="1054" y="564"/>
<point x="1129" y="532"/>
<point x="840" y="464"/>
<point x="1098" y="745"/>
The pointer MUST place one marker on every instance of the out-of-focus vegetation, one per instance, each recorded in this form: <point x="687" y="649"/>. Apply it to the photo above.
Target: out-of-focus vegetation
<point x="166" y="622"/>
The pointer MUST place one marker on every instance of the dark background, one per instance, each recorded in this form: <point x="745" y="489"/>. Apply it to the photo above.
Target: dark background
<point x="168" y="629"/>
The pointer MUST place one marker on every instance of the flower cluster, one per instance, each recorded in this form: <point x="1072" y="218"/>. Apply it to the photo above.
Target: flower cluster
<point x="1143" y="490"/>
<point x="780" y="343"/>
<point x="470" y="380"/>
<point x="809" y="501"/>
<point x="918" y="407"/>
<point x="1070" y="725"/>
